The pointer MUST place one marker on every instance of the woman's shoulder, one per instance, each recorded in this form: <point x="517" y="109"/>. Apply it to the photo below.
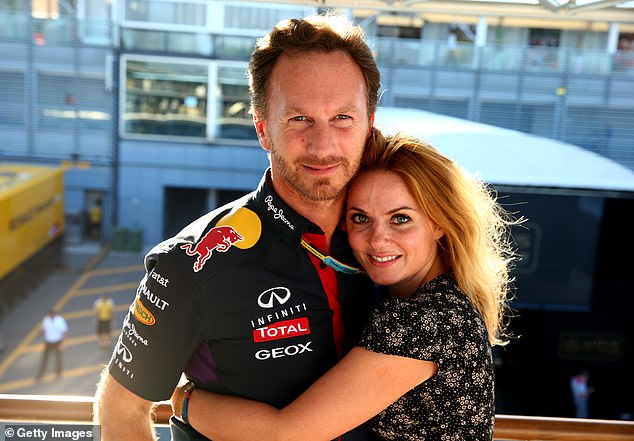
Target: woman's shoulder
<point x="439" y="291"/>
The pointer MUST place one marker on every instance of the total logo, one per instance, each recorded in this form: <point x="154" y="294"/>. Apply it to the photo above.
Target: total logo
<point x="281" y="330"/>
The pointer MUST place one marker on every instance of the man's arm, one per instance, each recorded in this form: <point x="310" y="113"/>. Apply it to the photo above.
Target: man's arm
<point x="361" y="385"/>
<point x="121" y="414"/>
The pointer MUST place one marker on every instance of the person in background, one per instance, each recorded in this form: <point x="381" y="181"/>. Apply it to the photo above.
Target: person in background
<point x="439" y="243"/>
<point x="104" y="313"/>
<point x="259" y="297"/>
<point x="581" y="393"/>
<point x="95" y="215"/>
<point x="54" y="328"/>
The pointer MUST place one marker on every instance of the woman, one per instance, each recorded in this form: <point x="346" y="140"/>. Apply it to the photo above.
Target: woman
<point x="439" y="243"/>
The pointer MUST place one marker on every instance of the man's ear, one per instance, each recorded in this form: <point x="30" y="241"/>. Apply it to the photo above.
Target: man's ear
<point x="260" y="130"/>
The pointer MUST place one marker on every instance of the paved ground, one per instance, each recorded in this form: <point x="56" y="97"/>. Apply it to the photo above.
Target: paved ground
<point x="87" y="271"/>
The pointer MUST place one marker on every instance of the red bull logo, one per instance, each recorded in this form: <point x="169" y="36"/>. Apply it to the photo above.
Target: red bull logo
<point x="216" y="239"/>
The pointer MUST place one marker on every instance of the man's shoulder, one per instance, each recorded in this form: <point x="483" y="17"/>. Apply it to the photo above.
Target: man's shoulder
<point x="217" y="230"/>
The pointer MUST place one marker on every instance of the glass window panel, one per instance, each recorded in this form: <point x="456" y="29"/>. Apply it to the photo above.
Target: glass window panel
<point x="65" y="103"/>
<point x="171" y="12"/>
<point x="234" y="120"/>
<point x="528" y="118"/>
<point x="15" y="6"/>
<point x="12" y="98"/>
<point x="189" y="43"/>
<point x="234" y="47"/>
<point x="502" y="57"/>
<point x="95" y="32"/>
<point x="167" y="41"/>
<point x="15" y="25"/>
<point x="405" y="51"/>
<point x="251" y="17"/>
<point x="141" y="39"/>
<point x="97" y="9"/>
<point x="165" y="99"/>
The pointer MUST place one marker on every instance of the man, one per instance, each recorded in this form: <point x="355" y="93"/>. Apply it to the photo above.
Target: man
<point x="242" y="300"/>
<point x="94" y="217"/>
<point x="581" y="393"/>
<point x="54" y="328"/>
<point x="104" y="312"/>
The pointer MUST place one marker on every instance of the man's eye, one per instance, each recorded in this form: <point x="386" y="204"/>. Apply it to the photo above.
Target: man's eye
<point x="342" y="121"/>
<point x="299" y="118"/>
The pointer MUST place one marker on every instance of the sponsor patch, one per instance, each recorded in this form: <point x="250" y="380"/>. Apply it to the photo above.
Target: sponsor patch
<point x="274" y="297"/>
<point x="143" y="314"/>
<point x="281" y="330"/>
<point x="241" y="229"/>
<point x="159" y="279"/>
<point x="278" y="213"/>
<point x="152" y="298"/>
<point x="284" y="351"/>
<point x="217" y="239"/>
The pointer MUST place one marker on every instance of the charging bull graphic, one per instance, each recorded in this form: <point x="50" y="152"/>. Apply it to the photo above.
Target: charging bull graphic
<point x="216" y="239"/>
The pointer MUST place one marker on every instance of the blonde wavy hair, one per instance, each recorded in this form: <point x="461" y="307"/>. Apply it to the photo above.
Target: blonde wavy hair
<point x="476" y="243"/>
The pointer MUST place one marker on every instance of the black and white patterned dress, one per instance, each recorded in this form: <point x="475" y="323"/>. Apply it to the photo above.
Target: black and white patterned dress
<point x="437" y="323"/>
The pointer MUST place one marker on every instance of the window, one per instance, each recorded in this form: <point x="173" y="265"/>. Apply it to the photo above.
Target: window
<point x="170" y="97"/>
<point x="12" y="98"/>
<point x="165" y="98"/>
<point x="65" y="103"/>
<point x="184" y="13"/>
<point x="233" y="104"/>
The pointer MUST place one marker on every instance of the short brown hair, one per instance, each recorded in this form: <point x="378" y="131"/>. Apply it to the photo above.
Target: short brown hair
<point x="325" y="33"/>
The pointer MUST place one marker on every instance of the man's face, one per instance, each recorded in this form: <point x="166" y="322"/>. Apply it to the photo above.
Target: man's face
<point x="317" y="124"/>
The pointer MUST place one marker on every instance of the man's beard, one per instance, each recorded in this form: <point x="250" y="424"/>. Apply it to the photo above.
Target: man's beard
<point x="318" y="189"/>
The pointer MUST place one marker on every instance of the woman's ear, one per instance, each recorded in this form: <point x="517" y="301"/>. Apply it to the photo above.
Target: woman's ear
<point x="438" y="232"/>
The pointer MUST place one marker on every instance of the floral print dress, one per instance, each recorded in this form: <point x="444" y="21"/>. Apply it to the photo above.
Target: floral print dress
<point x="437" y="323"/>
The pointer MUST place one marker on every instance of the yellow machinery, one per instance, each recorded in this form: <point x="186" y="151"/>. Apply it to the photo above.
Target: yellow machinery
<point x="31" y="211"/>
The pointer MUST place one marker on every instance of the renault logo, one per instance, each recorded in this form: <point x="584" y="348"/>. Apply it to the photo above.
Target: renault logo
<point x="269" y="297"/>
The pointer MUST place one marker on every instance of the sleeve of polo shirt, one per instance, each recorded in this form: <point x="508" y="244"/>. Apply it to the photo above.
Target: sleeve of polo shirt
<point x="160" y="332"/>
<point x="399" y="327"/>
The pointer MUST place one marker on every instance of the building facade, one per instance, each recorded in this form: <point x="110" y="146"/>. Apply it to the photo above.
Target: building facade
<point x="145" y="102"/>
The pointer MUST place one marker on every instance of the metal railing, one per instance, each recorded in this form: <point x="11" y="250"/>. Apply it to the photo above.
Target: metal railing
<point x="48" y="408"/>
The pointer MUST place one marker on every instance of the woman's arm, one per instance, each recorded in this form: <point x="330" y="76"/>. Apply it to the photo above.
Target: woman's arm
<point x="361" y="385"/>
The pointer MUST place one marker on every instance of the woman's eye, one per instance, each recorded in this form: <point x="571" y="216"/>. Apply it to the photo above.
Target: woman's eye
<point x="400" y="219"/>
<point x="358" y="218"/>
<point x="299" y="118"/>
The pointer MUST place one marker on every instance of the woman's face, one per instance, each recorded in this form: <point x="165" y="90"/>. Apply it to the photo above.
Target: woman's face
<point x="389" y="234"/>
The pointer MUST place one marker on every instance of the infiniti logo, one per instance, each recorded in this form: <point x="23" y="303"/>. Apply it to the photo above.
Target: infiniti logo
<point x="124" y="352"/>
<point x="268" y="297"/>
